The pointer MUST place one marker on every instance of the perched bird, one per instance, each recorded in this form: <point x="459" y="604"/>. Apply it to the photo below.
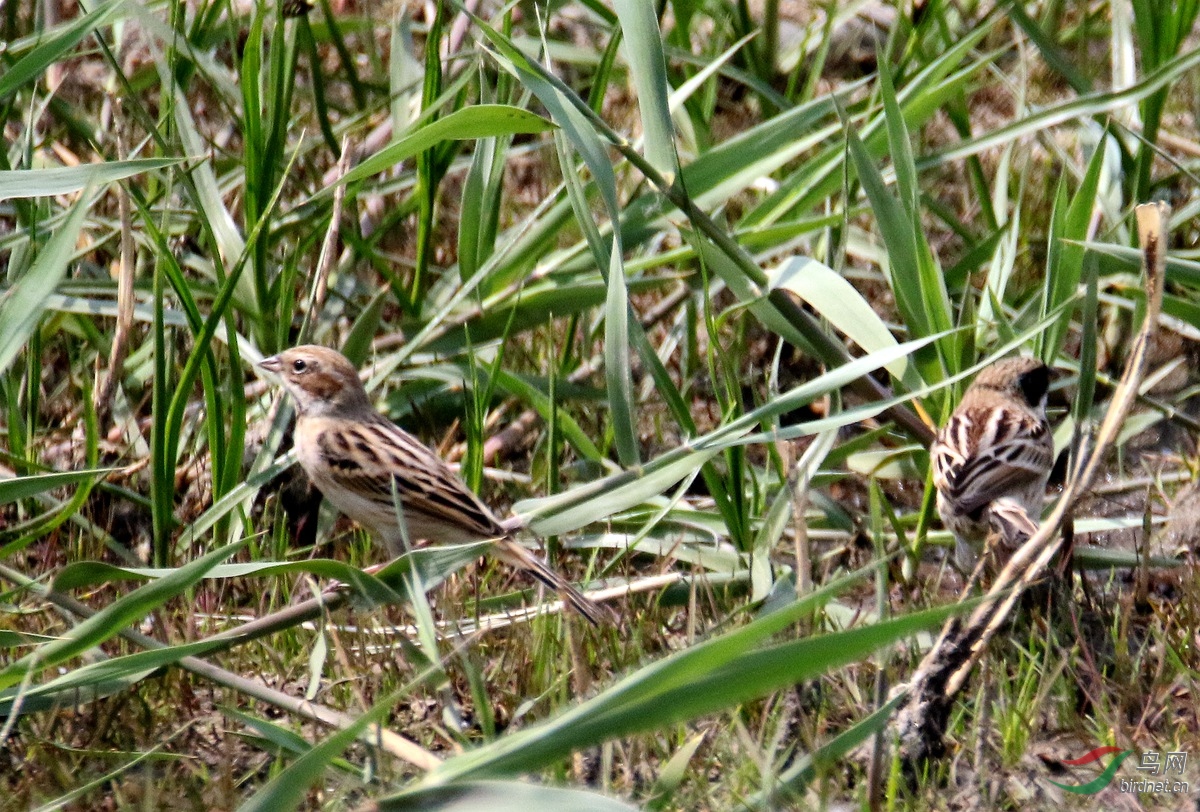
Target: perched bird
<point x="363" y="463"/>
<point x="992" y="459"/>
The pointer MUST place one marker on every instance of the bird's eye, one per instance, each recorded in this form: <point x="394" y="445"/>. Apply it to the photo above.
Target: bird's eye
<point x="299" y="365"/>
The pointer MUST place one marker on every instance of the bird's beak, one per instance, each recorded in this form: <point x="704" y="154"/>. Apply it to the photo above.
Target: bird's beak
<point x="272" y="364"/>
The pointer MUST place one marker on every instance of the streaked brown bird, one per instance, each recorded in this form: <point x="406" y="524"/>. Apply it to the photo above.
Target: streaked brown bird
<point x="992" y="459"/>
<point x="364" y="463"/>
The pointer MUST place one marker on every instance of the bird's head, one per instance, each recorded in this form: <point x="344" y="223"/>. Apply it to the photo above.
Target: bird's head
<point x="322" y="381"/>
<point x="1026" y="379"/>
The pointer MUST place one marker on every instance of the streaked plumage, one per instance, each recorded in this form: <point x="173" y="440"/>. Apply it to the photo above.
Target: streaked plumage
<point x="996" y="445"/>
<point x="357" y="458"/>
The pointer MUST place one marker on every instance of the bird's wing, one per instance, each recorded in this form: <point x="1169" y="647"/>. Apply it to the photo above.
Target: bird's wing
<point x="369" y="457"/>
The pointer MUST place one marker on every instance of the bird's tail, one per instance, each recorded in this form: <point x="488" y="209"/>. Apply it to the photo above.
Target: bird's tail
<point x="1009" y="518"/>
<point x="512" y="553"/>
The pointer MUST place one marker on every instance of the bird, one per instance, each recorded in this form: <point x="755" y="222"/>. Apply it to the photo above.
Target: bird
<point x="992" y="459"/>
<point x="364" y="463"/>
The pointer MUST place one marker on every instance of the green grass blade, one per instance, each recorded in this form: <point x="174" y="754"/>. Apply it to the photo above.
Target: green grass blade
<point x="21" y="309"/>
<point x="23" y="487"/>
<point x="1094" y="104"/>
<point x="540" y="400"/>
<point x="209" y="199"/>
<point x="1081" y="408"/>
<point x="65" y="180"/>
<point x="1064" y="261"/>
<point x="1051" y="52"/>
<point x="288" y="789"/>
<point x="566" y="114"/>
<point x="913" y="273"/>
<point x="61" y="41"/>
<point x="843" y="306"/>
<point x="529" y="309"/>
<point x="617" y="362"/>
<point x="501" y="796"/>
<point x="479" y="121"/>
<point x="110" y="620"/>
<point x="434" y="564"/>
<point x="705" y="679"/>
<point x="98" y="679"/>
<point x="583" y="505"/>
<point x="286" y="741"/>
<point x="101" y="782"/>
<point x="648" y="70"/>
<point x="607" y="254"/>
<point x="792" y="782"/>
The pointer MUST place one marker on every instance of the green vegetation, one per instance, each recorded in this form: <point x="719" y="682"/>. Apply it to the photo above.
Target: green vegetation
<point x="687" y="291"/>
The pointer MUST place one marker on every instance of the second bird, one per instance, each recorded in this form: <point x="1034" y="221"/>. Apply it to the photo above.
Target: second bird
<point x="362" y="462"/>
<point x="994" y="455"/>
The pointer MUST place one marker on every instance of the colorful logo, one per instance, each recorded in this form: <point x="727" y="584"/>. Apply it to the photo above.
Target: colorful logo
<point x="1103" y="779"/>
